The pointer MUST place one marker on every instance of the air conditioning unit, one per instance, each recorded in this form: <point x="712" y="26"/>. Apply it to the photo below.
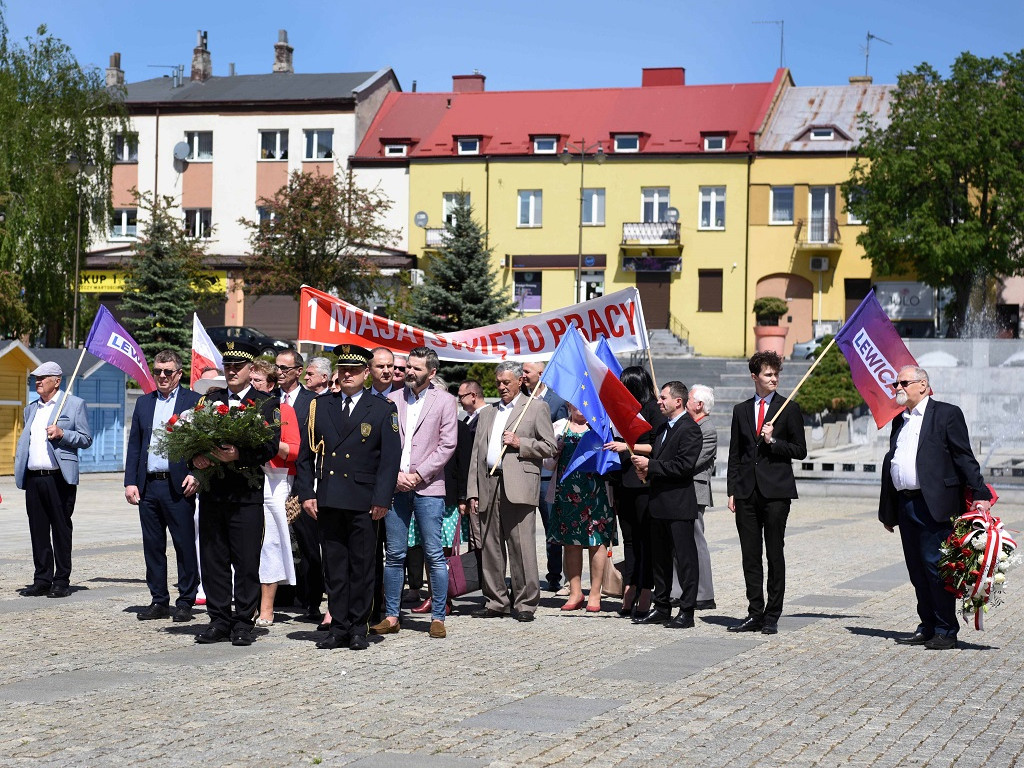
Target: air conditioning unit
<point x="416" y="276"/>
<point x="819" y="263"/>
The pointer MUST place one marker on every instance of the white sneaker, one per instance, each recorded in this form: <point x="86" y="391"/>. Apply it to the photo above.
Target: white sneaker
<point x="264" y="623"/>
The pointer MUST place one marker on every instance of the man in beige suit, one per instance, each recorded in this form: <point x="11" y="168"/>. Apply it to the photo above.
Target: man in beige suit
<point x="507" y="498"/>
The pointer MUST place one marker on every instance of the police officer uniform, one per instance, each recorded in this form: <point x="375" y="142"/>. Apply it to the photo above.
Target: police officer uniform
<point x="231" y="519"/>
<point x="349" y="463"/>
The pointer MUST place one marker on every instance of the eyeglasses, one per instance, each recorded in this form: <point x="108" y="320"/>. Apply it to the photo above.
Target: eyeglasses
<point x="400" y="368"/>
<point x="163" y="372"/>
<point x="289" y="367"/>
<point x="905" y="384"/>
<point x="465" y="394"/>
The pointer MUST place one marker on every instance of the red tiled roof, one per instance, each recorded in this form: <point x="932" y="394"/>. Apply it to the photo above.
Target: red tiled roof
<point x="670" y="119"/>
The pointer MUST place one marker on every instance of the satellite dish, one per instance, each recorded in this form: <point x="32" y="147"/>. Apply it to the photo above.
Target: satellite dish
<point x="420" y="219"/>
<point x="181" y="150"/>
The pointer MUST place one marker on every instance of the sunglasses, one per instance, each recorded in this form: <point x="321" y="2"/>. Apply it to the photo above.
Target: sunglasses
<point x="400" y="368"/>
<point x="165" y="373"/>
<point x="289" y="367"/>
<point x="905" y="384"/>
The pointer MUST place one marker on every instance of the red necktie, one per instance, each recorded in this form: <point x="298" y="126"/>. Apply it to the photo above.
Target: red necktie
<point x="760" y="417"/>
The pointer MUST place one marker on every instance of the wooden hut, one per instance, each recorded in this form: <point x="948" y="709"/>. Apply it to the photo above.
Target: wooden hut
<point x="16" y="361"/>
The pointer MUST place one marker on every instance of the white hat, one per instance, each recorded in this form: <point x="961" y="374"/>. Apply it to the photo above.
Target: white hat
<point x="48" y="369"/>
<point x="202" y="386"/>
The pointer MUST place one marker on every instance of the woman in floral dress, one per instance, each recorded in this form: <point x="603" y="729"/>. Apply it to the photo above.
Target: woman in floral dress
<point x="581" y="516"/>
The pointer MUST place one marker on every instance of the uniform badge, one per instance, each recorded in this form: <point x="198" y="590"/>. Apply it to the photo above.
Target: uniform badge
<point x="394" y="421"/>
<point x="346" y="349"/>
<point x="230" y="345"/>
<point x="364" y="429"/>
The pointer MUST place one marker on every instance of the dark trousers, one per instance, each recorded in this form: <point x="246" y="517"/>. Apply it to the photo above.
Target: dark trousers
<point x="761" y="519"/>
<point x="377" y="605"/>
<point x="50" y="502"/>
<point x="922" y="535"/>
<point x="163" y="509"/>
<point x="414" y="567"/>
<point x="310" y="574"/>
<point x="350" y="541"/>
<point x="553" y="576"/>
<point x="638" y="570"/>
<point x="672" y="543"/>
<point x="231" y="534"/>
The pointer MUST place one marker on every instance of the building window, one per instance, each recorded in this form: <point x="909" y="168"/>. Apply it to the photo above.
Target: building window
<point x="712" y="208"/>
<point x="469" y="146"/>
<point x="126" y="148"/>
<point x="851" y="217"/>
<point x="198" y="222"/>
<point x="655" y="203"/>
<point x="319" y="144"/>
<point x="449" y="202"/>
<point x="527" y="287"/>
<point x="593" y="207"/>
<point x="395" y="150"/>
<point x="709" y="290"/>
<point x="627" y="142"/>
<point x="546" y="145"/>
<point x="531" y="208"/>
<point x="200" y="145"/>
<point x="822" y="134"/>
<point x="714" y="143"/>
<point x="264" y="214"/>
<point x="823" y="213"/>
<point x="273" y="145"/>
<point x="124" y="223"/>
<point x="782" y="205"/>
<point x="593" y="284"/>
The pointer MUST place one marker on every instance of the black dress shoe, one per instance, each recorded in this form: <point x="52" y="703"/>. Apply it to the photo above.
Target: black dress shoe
<point x="941" y="643"/>
<point x="524" y="616"/>
<point x="749" y="624"/>
<point x="683" y="620"/>
<point x="64" y="591"/>
<point x="36" y="590"/>
<point x="333" y="641"/>
<point x="323" y="627"/>
<point x="918" y="638"/>
<point x="654" y="617"/>
<point x="241" y="636"/>
<point x="358" y="643"/>
<point x="770" y="628"/>
<point x="313" y="616"/>
<point x="488" y="613"/>
<point x="705" y="605"/>
<point x="154" y="611"/>
<point x="183" y="613"/>
<point x="211" y="635"/>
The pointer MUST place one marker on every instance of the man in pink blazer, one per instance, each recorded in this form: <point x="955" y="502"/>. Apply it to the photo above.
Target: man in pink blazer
<point x="428" y="428"/>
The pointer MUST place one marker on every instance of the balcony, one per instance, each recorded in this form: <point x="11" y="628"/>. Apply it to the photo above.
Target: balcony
<point x="650" y="233"/>
<point x="820" y="236"/>
<point x="435" y="237"/>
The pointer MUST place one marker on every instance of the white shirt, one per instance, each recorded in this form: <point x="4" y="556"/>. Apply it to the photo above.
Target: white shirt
<point x="497" y="430"/>
<point x="903" y="469"/>
<point x="767" y="404"/>
<point x="413" y="408"/>
<point x="236" y="400"/>
<point x="354" y="398"/>
<point x="288" y="398"/>
<point x="39" y="456"/>
<point x="383" y="394"/>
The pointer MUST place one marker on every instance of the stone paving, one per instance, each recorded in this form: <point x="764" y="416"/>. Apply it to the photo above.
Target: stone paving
<point x="85" y="684"/>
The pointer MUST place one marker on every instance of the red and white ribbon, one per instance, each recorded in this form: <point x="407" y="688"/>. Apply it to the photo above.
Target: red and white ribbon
<point x="983" y="523"/>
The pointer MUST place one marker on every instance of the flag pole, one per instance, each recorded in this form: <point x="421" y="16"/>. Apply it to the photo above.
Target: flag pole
<point x="515" y="426"/>
<point x="814" y="365"/>
<point x="67" y="391"/>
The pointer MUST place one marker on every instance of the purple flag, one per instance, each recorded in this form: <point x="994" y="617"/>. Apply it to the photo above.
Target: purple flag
<point x="875" y="352"/>
<point x="109" y="341"/>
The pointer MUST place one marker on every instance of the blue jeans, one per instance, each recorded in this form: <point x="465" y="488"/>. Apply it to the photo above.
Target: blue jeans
<point x="429" y="511"/>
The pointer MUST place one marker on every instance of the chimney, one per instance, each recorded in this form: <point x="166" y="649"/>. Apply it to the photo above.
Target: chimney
<point x="115" y="75"/>
<point x="468" y="83"/>
<point x="231" y="69"/>
<point x="663" y="76"/>
<point x="861" y="80"/>
<point x="283" y="53"/>
<point x="202" y="68"/>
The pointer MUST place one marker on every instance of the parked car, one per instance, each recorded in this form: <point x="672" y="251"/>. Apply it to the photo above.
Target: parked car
<point x="805" y="349"/>
<point x="267" y="344"/>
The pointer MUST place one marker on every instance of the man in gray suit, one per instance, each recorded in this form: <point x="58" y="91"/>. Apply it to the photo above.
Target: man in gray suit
<point x="46" y="468"/>
<point x="504" y="488"/>
<point x="699" y="405"/>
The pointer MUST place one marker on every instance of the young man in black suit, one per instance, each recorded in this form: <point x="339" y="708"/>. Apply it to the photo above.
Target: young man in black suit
<point x="929" y="465"/>
<point x="673" y="507"/>
<point x="761" y="486"/>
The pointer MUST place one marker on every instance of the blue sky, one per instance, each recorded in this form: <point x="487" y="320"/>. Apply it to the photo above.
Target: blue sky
<point x="595" y="43"/>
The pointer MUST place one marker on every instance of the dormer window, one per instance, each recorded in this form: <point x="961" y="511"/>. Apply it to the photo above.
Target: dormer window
<point x="822" y="134"/>
<point x="627" y="142"/>
<point x="396" y="150"/>
<point x="545" y="145"/>
<point x="714" y="143"/>
<point x="468" y="146"/>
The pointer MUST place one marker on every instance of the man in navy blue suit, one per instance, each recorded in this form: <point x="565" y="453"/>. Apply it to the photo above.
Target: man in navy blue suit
<point x="164" y="492"/>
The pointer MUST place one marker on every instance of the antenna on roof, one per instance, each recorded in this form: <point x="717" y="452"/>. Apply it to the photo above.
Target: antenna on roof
<point x="177" y="72"/>
<point x="867" y="49"/>
<point x="782" y="36"/>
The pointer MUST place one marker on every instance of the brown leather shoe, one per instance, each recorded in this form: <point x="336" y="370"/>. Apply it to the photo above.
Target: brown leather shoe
<point x="385" y="628"/>
<point x="437" y="629"/>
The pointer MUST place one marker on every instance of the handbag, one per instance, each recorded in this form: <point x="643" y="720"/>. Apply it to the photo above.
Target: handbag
<point x="292" y="508"/>
<point x="463" y="569"/>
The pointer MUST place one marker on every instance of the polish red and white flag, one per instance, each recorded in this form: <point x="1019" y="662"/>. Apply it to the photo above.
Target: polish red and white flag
<point x="204" y="352"/>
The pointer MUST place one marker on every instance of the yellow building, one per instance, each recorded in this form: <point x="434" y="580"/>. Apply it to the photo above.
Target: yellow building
<point x="16" y="361"/>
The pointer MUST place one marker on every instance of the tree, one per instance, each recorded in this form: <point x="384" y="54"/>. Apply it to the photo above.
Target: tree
<point x="15" y="319"/>
<point x="320" y="231"/>
<point x="941" y="187"/>
<point x="164" y="281"/>
<point x="52" y="111"/>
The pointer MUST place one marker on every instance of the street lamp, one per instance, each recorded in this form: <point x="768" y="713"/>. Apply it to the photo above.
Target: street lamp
<point x="580" y="149"/>
<point x="78" y="168"/>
